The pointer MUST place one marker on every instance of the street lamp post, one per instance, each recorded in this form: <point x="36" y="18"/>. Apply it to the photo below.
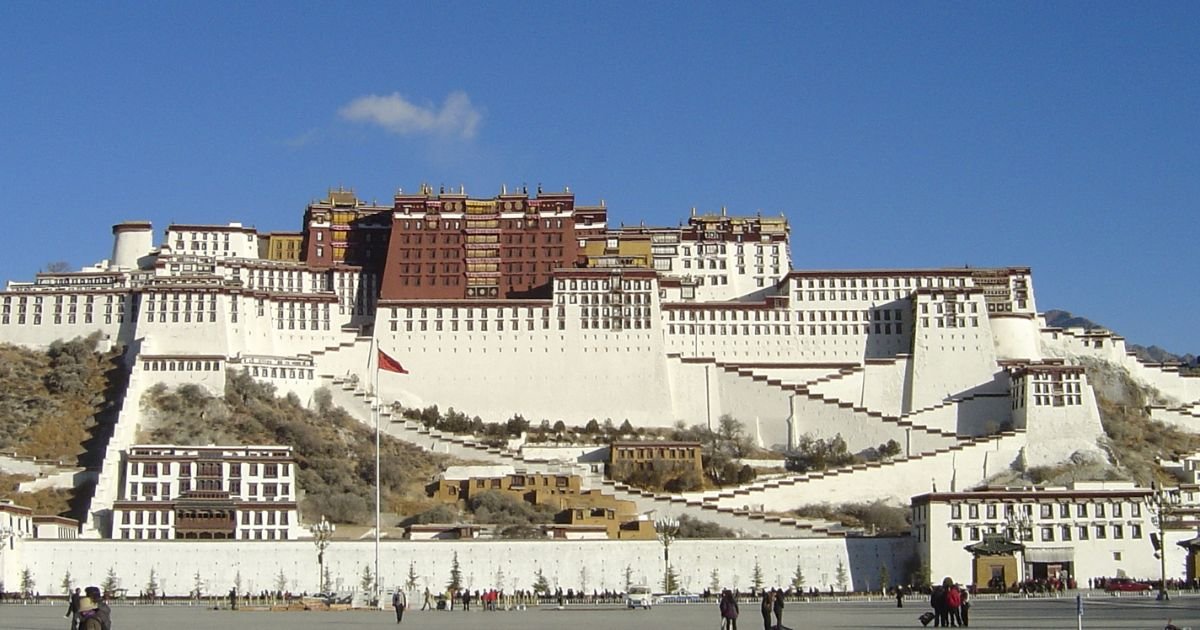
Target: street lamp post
<point x="667" y="530"/>
<point x="1161" y="503"/>
<point x="1018" y="521"/>
<point x="322" y="532"/>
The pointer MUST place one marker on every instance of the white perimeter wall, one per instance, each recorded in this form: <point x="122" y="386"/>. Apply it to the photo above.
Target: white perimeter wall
<point x="569" y="564"/>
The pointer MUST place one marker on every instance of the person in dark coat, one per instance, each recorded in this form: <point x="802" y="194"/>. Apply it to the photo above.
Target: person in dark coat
<point x="399" y="602"/>
<point x="73" y="609"/>
<point x="92" y="605"/>
<point x="767" y="605"/>
<point x="777" y="608"/>
<point x="729" y="609"/>
<point x="937" y="599"/>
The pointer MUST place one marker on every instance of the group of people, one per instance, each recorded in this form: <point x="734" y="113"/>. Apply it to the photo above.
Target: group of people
<point x="771" y="605"/>
<point x="88" y="610"/>
<point x="951" y="606"/>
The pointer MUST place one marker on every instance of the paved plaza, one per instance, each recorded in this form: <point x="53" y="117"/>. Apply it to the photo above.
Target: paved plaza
<point x="1099" y="612"/>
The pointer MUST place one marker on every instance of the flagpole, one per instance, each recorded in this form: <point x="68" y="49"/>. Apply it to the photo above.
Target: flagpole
<point x="375" y="409"/>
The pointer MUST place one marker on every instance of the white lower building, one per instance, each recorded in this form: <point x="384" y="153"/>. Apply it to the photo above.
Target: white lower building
<point x="207" y="492"/>
<point x="1090" y="530"/>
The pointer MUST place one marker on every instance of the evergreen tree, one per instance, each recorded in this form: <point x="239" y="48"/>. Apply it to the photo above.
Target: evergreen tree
<point x="111" y="582"/>
<point x="326" y="579"/>
<point x="540" y="585"/>
<point x="152" y="583"/>
<point x="628" y="577"/>
<point x="281" y="581"/>
<point x="198" y="585"/>
<point x="27" y="582"/>
<point x="841" y="577"/>
<point x="455" y="574"/>
<point x="756" y="578"/>
<point x="714" y="581"/>
<point x="411" y="582"/>
<point x="583" y="579"/>
<point x="884" y="578"/>
<point x="367" y="581"/>
<point x="670" y="581"/>
<point x="237" y="581"/>
<point x="68" y="583"/>
<point x="499" y="579"/>
<point x="798" y="577"/>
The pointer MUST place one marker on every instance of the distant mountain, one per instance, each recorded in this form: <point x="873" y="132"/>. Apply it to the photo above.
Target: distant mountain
<point x="1154" y="354"/>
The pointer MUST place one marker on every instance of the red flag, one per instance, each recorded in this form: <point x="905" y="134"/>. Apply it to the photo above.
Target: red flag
<point x="388" y="364"/>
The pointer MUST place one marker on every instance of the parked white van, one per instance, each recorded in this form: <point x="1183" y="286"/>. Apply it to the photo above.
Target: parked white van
<point x="639" y="597"/>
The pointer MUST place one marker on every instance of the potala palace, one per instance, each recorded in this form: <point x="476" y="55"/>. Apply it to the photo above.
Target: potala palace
<point x="530" y="303"/>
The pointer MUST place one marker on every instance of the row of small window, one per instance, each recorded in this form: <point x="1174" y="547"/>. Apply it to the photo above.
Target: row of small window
<point x="951" y="322"/>
<point x="187" y="317"/>
<point x="1048" y="510"/>
<point x="709" y="249"/>
<point x="202" y="246"/>
<point x="720" y="263"/>
<point x="1053" y="388"/>
<point x="181" y="366"/>
<point x="57" y="320"/>
<point x="602" y="285"/>
<point x="871" y="315"/>
<point x="73" y="280"/>
<point x="303" y="324"/>
<point x="908" y="281"/>
<point x="203" y="469"/>
<point x="205" y="236"/>
<point x="470" y="325"/>
<point x="1051" y="533"/>
<point x="604" y="298"/>
<point x="950" y="308"/>
<point x="1058" y="401"/>
<point x="58" y="299"/>
<point x="820" y="296"/>
<point x="605" y="311"/>
<point x="726" y="315"/>
<point x="282" y="372"/>
<point x="264" y="517"/>
<point x="58" y="309"/>
<point x="513" y="224"/>
<point x="468" y="312"/>
<point x="615" y="323"/>
<point x="732" y="329"/>
<point x="145" y="534"/>
<point x="186" y="303"/>
<point x="145" y="517"/>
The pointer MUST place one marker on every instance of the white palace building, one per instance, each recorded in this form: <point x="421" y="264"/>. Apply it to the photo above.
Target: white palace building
<point x="529" y="303"/>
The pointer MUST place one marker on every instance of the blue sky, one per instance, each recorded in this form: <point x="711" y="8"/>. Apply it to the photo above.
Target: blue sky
<point x="1064" y="136"/>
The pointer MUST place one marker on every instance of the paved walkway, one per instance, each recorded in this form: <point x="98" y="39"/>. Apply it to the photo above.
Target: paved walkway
<point x="1099" y="612"/>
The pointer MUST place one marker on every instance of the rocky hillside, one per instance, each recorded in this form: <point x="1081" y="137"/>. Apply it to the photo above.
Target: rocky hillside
<point x="335" y="452"/>
<point x="1154" y="354"/>
<point x="56" y="406"/>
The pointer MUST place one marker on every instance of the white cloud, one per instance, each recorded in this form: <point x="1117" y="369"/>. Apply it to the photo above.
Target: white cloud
<point x="456" y="117"/>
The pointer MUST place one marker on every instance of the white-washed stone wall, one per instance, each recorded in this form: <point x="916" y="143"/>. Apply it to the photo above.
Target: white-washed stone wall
<point x="597" y="564"/>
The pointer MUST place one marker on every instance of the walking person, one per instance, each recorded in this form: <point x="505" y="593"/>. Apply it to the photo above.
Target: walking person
<point x="93" y="610"/>
<point x="964" y="605"/>
<point x="73" y="609"/>
<point x="953" y="601"/>
<point x="729" y="610"/>
<point x="399" y="602"/>
<point x="428" y="605"/>
<point x="937" y="599"/>
<point x="767" y="605"/>
<point x="777" y="608"/>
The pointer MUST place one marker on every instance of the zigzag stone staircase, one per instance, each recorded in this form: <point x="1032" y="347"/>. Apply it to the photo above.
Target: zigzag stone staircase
<point x="803" y="390"/>
<point x="354" y="400"/>
<point x="899" y="478"/>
